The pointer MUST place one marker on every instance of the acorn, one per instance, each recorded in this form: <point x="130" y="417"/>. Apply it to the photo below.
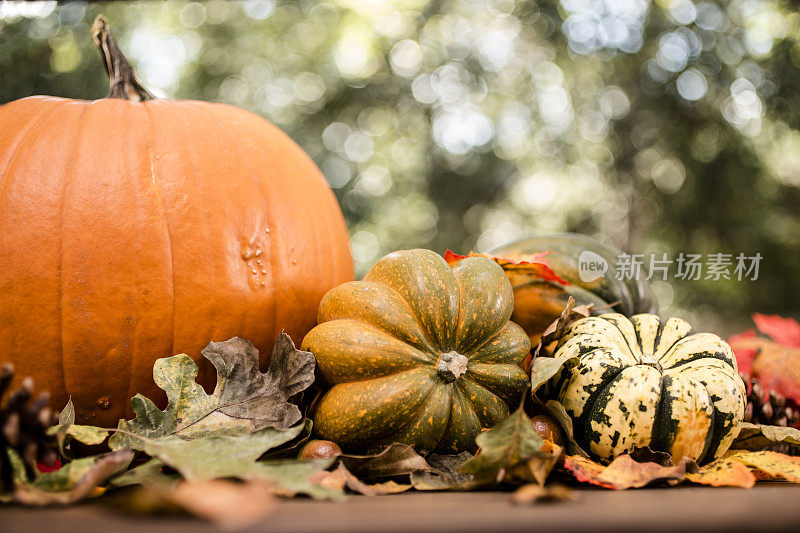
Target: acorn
<point x="319" y="449"/>
<point x="547" y="428"/>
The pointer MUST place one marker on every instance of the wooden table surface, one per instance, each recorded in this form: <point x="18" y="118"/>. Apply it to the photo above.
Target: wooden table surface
<point x="769" y="507"/>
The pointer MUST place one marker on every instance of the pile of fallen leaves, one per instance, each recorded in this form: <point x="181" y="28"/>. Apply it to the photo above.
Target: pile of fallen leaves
<point x="227" y="456"/>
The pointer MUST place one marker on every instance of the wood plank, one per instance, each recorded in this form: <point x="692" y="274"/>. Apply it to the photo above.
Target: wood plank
<point x="768" y="507"/>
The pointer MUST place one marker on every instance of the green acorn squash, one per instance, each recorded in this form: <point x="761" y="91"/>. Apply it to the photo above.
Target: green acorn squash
<point x="645" y="381"/>
<point x="418" y="353"/>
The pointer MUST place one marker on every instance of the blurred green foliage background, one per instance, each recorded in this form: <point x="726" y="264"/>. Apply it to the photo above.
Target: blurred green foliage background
<point x="657" y="126"/>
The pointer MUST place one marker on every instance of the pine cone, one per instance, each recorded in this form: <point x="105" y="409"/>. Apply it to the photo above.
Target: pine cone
<point x="771" y="409"/>
<point x="23" y="427"/>
<point x="768" y="407"/>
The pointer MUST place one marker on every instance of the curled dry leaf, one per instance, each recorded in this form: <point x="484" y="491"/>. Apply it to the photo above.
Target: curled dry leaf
<point x="556" y="329"/>
<point x="394" y="460"/>
<point x="625" y="472"/>
<point x="537" y="468"/>
<point x="71" y="483"/>
<point x="341" y="477"/>
<point x="244" y="400"/>
<point x="758" y="437"/>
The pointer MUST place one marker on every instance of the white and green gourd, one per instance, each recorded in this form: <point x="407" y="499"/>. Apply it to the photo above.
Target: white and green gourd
<point x="644" y="381"/>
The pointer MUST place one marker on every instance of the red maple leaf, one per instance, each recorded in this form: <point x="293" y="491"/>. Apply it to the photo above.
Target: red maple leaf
<point x="774" y="361"/>
<point x="533" y="265"/>
<point x="784" y="331"/>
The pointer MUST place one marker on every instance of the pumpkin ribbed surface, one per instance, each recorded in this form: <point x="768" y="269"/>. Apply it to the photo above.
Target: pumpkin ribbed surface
<point x="418" y="353"/>
<point x="645" y="381"/>
<point x="136" y="230"/>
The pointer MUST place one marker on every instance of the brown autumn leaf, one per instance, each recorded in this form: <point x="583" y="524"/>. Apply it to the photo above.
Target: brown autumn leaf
<point x="394" y="460"/>
<point x="533" y="493"/>
<point x="444" y="473"/>
<point x="586" y="471"/>
<point x="341" y="477"/>
<point x="724" y="472"/>
<point x="227" y="504"/>
<point x="570" y="314"/>
<point x="537" y="468"/>
<point x="625" y="472"/>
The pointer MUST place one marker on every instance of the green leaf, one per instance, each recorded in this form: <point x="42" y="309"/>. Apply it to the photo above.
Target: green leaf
<point x="244" y="400"/>
<point x="290" y="477"/>
<point x="67" y="415"/>
<point x="149" y="474"/>
<point x="67" y="429"/>
<point x="758" y="437"/>
<point x="509" y="444"/>
<point x="85" y="434"/>
<point x="544" y="368"/>
<point x="214" y="457"/>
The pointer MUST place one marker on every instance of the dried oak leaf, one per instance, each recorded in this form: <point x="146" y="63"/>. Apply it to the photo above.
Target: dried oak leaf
<point x="531" y="266"/>
<point x="511" y="444"/>
<point x="203" y="458"/>
<point x="244" y="400"/>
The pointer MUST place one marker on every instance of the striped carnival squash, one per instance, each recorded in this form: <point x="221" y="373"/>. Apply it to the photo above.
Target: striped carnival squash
<point x="644" y="381"/>
<point x="418" y="353"/>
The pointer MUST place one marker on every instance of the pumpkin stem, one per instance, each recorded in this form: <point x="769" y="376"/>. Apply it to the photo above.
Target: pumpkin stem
<point x="122" y="82"/>
<point x="452" y="365"/>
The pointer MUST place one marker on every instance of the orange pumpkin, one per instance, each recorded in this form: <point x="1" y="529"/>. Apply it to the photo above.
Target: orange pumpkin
<point x="133" y="228"/>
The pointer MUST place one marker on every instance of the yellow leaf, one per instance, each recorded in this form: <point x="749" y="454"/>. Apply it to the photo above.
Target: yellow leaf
<point x="724" y="472"/>
<point x="774" y="465"/>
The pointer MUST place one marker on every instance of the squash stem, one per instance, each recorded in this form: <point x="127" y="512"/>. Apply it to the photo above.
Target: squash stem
<point x="122" y="81"/>
<point x="451" y="366"/>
